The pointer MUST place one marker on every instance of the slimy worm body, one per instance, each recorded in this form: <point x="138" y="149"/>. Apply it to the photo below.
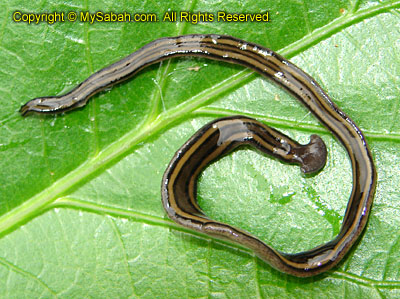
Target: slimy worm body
<point x="223" y="135"/>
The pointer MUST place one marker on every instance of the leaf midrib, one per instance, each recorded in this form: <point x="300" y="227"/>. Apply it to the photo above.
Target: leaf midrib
<point x="121" y="147"/>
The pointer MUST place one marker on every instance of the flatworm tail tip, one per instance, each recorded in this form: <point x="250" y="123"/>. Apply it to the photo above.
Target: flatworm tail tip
<point x="43" y="105"/>
<point x="24" y="110"/>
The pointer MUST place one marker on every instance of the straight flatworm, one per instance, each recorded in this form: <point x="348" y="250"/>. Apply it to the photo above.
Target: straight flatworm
<point x="219" y="137"/>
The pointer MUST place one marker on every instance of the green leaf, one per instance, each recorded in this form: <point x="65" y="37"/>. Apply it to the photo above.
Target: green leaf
<point x="80" y="209"/>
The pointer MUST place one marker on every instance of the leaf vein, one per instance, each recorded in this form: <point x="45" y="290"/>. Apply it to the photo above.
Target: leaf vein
<point x="27" y="274"/>
<point x="158" y="221"/>
<point x="125" y="254"/>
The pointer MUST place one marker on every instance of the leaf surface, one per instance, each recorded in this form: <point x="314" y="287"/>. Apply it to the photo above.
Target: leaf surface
<point x="80" y="210"/>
